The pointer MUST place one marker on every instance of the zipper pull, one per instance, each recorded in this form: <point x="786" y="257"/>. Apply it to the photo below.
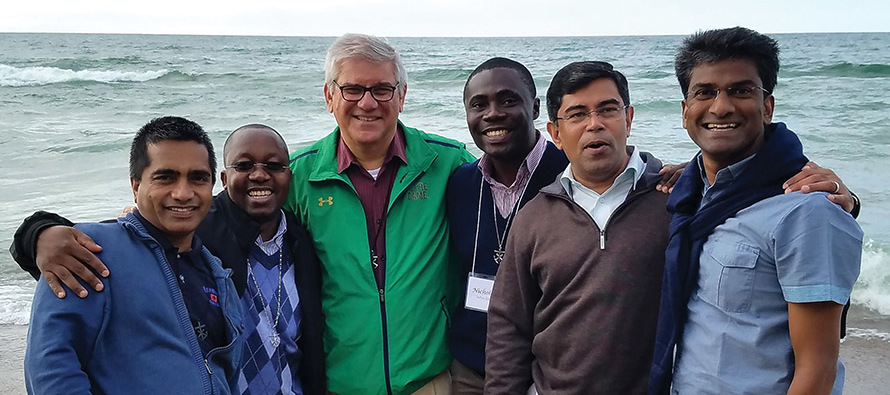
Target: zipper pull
<point x="374" y="263"/>
<point x="603" y="239"/>
<point x="207" y="365"/>
<point x="381" y="295"/>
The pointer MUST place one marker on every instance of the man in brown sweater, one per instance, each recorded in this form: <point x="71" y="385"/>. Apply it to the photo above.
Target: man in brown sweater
<point x="575" y="301"/>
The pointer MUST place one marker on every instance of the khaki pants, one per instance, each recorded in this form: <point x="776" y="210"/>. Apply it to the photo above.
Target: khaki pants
<point x="439" y="385"/>
<point x="465" y="381"/>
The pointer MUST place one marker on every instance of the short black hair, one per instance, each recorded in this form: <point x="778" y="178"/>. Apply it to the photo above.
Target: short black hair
<point x="575" y="76"/>
<point x="504" y="63"/>
<point x="252" y="126"/>
<point x="167" y="128"/>
<point x="732" y="43"/>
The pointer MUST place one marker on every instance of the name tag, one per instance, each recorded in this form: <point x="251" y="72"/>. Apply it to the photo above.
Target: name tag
<point x="478" y="292"/>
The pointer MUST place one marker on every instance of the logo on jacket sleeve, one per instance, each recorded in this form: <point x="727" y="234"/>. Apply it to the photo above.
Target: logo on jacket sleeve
<point x="329" y="201"/>
<point x="418" y="191"/>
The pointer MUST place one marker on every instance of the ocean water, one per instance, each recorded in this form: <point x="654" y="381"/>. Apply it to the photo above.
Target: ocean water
<point x="70" y="104"/>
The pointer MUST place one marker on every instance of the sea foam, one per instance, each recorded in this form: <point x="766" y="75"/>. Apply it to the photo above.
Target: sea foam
<point x="31" y="76"/>
<point x="873" y="288"/>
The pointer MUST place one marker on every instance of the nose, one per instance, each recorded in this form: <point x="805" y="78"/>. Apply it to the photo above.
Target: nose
<point x="722" y="105"/>
<point x="594" y="123"/>
<point x="494" y="112"/>
<point x="183" y="190"/>
<point x="259" y="173"/>
<point x="367" y="102"/>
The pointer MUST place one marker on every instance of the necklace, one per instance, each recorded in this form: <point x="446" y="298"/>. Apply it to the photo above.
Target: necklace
<point x="498" y="254"/>
<point x="274" y="340"/>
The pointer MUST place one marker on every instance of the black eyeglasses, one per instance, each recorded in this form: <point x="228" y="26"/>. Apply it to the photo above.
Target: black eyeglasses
<point x="355" y="93"/>
<point x="247" y="166"/>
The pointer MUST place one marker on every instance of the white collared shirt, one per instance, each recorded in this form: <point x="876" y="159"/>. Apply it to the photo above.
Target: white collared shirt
<point x="274" y="244"/>
<point x="600" y="207"/>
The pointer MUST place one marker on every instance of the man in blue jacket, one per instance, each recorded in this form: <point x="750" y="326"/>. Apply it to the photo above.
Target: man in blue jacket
<point x="273" y="263"/>
<point x="169" y="320"/>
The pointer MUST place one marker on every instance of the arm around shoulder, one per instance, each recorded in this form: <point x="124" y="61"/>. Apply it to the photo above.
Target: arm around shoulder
<point x="24" y="243"/>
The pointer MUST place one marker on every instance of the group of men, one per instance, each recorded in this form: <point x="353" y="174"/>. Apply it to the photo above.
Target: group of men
<point x="383" y="259"/>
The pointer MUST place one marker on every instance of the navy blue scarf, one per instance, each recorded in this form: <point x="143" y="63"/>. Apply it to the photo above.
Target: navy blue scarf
<point x="780" y="157"/>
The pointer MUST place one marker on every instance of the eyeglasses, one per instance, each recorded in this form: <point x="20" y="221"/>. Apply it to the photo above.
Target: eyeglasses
<point x="355" y="93"/>
<point x="248" y="166"/>
<point x="734" y="92"/>
<point x="606" y="113"/>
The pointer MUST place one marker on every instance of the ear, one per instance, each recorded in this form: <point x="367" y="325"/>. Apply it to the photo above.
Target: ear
<point x="554" y="134"/>
<point x="630" y="119"/>
<point x="536" y="108"/>
<point x="769" y="104"/>
<point x="134" y="183"/>
<point x="683" y="109"/>
<point x="222" y="178"/>
<point x="402" y="97"/>
<point x="328" y="98"/>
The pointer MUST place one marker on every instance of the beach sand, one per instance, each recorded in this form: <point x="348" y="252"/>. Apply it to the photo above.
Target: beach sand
<point x="865" y="355"/>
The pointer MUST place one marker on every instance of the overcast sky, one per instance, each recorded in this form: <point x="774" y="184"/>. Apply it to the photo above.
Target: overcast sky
<point x="460" y="18"/>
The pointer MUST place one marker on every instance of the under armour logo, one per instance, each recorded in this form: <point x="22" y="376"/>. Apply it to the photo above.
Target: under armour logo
<point x="329" y="201"/>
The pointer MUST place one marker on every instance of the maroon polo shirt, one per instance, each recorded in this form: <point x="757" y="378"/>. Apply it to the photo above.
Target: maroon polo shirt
<point x="374" y="195"/>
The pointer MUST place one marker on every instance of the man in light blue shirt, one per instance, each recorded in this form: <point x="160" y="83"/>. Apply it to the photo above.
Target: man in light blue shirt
<point x="755" y="280"/>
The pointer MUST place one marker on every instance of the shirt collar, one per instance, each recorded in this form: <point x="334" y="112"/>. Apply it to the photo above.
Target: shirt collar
<point x="162" y="240"/>
<point x="634" y="170"/>
<point x="528" y="166"/>
<point x="346" y="158"/>
<point x="272" y="246"/>
<point x="725" y="175"/>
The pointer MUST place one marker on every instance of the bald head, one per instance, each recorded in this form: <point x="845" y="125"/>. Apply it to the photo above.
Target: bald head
<point x="240" y="133"/>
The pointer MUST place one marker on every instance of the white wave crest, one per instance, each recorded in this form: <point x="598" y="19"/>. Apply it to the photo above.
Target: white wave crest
<point x="31" y="76"/>
<point x="873" y="287"/>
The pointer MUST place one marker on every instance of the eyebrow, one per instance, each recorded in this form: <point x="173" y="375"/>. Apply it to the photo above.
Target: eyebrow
<point x="199" y="173"/>
<point x="737" y="83"/>
<point x="598" y="105"/>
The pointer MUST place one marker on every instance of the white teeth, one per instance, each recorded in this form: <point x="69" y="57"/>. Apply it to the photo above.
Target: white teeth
<point x="496" y="133"/>
<point x="366" y="119"/>
<point x="179" y="209"/>
<point x="259" y="193"/>
<point x="721" y="125"/>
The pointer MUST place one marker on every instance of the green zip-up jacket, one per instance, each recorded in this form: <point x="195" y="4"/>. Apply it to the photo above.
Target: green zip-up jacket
<point x="390" y="340"/>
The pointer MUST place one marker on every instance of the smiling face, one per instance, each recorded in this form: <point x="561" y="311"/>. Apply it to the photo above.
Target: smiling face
<point x="727" y="129"/>
<point x="596" y="148"/>
<point x="366" y="122"/>
<point x="501" y="113"/>
<point x="175" y="189"/>
<point x="260" y="192"/>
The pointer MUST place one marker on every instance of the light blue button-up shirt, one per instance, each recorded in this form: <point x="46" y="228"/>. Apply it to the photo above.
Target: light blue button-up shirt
<point x="791" y="248"/>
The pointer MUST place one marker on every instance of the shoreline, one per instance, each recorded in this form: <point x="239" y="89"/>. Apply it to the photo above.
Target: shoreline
<point x="865" y="352"/>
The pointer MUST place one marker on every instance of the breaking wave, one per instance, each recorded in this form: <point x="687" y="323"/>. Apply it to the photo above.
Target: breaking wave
<point x="35" y="76"/>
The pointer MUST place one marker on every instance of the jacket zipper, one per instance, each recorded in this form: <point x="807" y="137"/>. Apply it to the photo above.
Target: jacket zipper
<point x="381" y="293"/>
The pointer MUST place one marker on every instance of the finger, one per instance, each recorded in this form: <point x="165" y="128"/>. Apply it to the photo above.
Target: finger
<point x="86" y="255"/>
<point x="66" y="278"/>
<point x="86" y="241"/>
<point x="54" y="285"/>
<point x="843" y="200"/>
<point x="80" y="268"/>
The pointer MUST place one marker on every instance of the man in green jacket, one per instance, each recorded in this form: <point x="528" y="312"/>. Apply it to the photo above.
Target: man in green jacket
<point x="372" y="195"/>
